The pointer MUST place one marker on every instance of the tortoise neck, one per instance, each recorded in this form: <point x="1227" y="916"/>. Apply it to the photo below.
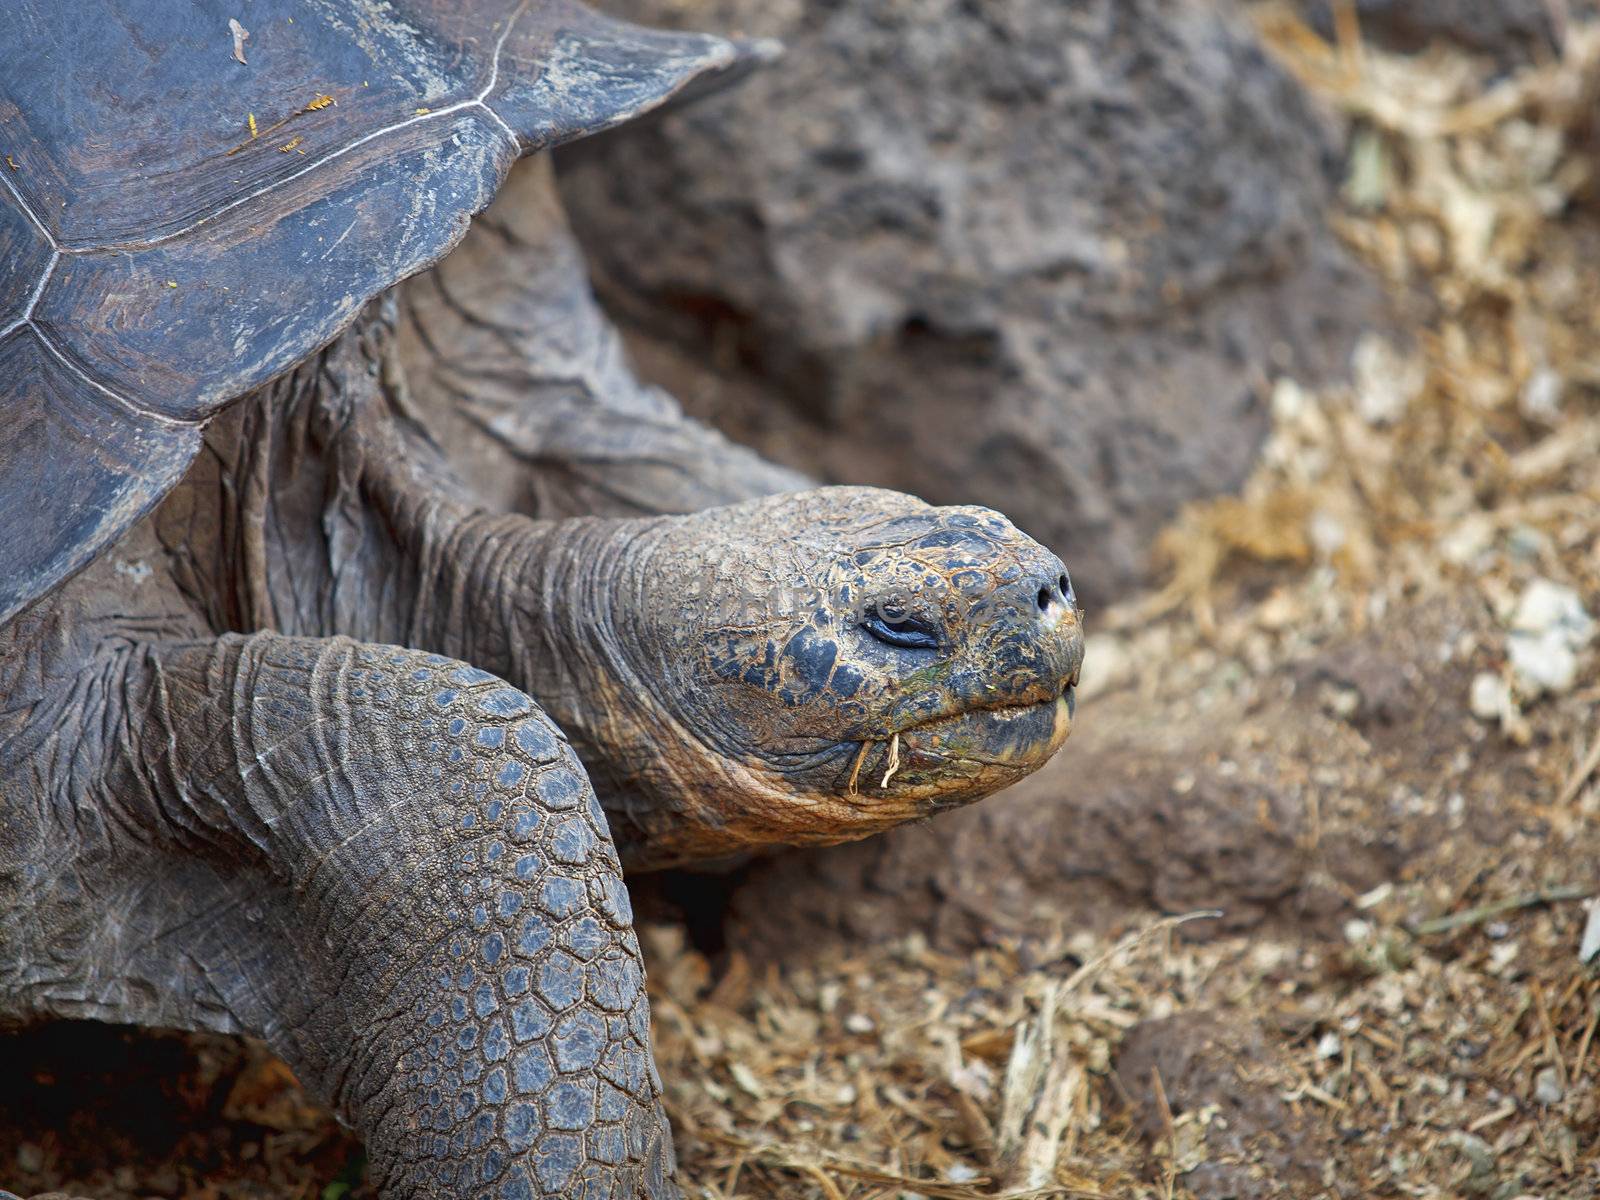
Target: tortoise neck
<point x="539" y="603"/>
<point x="413" y="559"/>
<point x="558" y="608"/>
<point x="535" y="602"/>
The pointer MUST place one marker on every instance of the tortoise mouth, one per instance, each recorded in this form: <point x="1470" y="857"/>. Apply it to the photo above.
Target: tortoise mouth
<point x="955" y="759"/>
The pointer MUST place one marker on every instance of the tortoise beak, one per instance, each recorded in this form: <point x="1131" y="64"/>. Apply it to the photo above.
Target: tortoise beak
<point x="957" y="757"/>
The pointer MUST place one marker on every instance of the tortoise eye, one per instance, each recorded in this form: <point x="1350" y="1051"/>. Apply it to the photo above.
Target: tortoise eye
<point x="902" y="630"/>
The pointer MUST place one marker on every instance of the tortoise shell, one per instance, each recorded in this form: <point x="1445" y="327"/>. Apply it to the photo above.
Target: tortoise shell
<point x="178" y="226"/>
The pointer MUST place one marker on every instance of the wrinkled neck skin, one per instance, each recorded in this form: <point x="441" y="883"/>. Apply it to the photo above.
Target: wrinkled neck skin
<point x="569" y="611"/>
<point x="532" y="601"/>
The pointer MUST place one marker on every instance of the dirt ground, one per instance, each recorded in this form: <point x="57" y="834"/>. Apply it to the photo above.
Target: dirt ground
<point x="1298" y="912"/>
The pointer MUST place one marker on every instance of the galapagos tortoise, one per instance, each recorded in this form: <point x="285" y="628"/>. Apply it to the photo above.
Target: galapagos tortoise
<point x="298" y="737"/>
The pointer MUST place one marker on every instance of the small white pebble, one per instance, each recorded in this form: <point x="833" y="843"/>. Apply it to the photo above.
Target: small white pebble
<point x="1289" y="401"/>
<point x="1386" y="381"/>
<point x="1545" y="606"/>
<point x="1491" y="696"/>
<point x="1374" y="898"/>
<point x="1477" y="1151"/>
<point x="1542" y="663"/>
<point x="1467" y="539"/>
<point x="1540" y="398"/>
<point x="1344" y="702"/>
<point x="1547" y="1086"/>
<point x="961" y="1172"/>
<point x="1590" y="946"/>
<point x="1330" y="1045"/>
<point x="1327" y="534"/>
<point x="859" y="1023"/>
<point x="1526" y="542"/>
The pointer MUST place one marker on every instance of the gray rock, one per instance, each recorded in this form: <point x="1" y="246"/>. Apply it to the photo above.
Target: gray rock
<point x="1038" y="255"/>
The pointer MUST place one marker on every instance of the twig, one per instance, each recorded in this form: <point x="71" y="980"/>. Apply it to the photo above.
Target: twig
<point x="1170" y="1170"/>
<point x="829" y="1188"/>
<point x="1552" y="1045"/>
<point x="810" y="1162"/>
<point x="1484" y="912"/>
<point x="1095" y="965"/>
<point x="1347" y="29"/>
<point x="1579" y="777"/>
<point x="1588" y="1036"/>
<point x="1044" y="1079"/>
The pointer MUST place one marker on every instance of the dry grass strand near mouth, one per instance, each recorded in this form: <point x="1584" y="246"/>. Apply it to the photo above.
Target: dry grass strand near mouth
<point x="893" y="765"/>
<point x="855" y="768"/>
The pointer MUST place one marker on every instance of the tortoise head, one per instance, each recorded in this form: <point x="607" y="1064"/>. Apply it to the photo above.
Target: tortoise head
<point x="840" y="660"/>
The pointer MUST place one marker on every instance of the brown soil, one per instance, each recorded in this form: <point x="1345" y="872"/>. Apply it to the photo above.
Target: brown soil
<point x="1016" y="1000"/>
<point x="109" y="1111"/>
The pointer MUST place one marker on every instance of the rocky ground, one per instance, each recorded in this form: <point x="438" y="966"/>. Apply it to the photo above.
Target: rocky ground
<point x="1300" y="911"/>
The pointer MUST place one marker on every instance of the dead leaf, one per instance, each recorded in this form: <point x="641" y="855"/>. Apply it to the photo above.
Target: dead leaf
<point x="240" y="36"/>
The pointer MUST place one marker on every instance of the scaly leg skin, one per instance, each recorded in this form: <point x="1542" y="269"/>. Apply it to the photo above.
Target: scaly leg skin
<point x="387" y="864"/>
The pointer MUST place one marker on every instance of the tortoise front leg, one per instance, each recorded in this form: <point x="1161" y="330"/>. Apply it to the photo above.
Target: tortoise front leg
<point x="387" y="864"/>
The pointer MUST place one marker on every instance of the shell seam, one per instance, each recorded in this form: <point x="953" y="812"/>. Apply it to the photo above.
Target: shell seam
<point x="137" y="410"/>
<point x="500" y="121"/>
<point x="238" y="201"/>
<point x="49" y="268"/>
<point x="33" y="301"/>
<point x="27" y="211"/>
<point x="494" y="59"/>
<point x="477" y="101"/>
<point x="57" y="250"/>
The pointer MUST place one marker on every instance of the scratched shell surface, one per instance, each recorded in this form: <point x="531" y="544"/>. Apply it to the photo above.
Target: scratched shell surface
<point x="157" y="261"/>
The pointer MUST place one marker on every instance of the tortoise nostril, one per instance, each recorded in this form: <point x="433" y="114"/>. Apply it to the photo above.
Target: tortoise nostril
<point x="1044" y="598"/>
<point x="1065" y="585"/>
